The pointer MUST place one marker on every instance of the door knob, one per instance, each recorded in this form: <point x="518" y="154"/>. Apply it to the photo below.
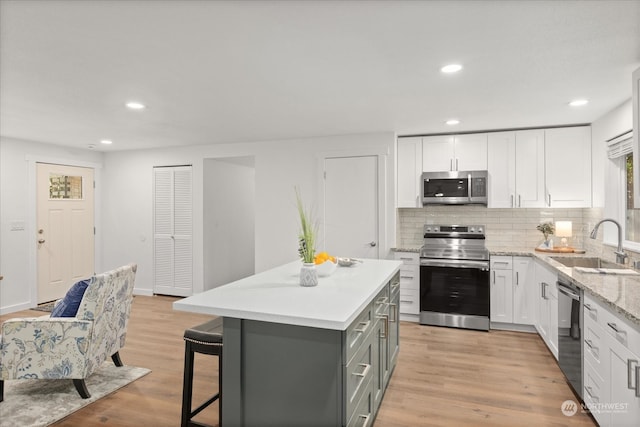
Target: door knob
<point x="372" y="244"/>
<point x="41" y="241"/>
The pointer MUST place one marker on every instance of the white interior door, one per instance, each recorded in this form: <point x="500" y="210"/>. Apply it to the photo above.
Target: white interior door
<point x="351" y="206"/>
<point x="173" y="231"/>
<point x="65" y="228"/>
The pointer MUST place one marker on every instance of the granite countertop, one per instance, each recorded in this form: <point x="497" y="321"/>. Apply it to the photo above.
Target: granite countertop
<point x="621" y="292"/>
<point x="276" y="296"/>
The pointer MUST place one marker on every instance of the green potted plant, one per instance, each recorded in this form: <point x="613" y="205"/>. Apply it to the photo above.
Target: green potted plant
<point x="546" y="228"/>
<point x="306" y="244"/>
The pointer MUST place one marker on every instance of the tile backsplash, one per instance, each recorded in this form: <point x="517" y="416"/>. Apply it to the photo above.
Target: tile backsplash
<point x="507" y="228"/>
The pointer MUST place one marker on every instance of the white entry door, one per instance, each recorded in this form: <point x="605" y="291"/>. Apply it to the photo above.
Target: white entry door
<point x="173" y="231"/>
<point x="65" y="228"/>
<point x="351" y="200"/>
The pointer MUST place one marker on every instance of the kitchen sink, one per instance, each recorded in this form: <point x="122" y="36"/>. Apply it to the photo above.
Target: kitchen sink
<point x="587" y="262"/>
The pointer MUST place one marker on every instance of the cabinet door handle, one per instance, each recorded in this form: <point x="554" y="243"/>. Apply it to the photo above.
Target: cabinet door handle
<point x="385" y="335"/>
<point x="589" y="391"/>
<point x="406" y="277"/>
<point x="406" y="259"/>
<point x="519" y="201"/>
<point x="456" y="164"/>
<point x="366" y="418"/>
<point x="589" y="343"/>
<point x="494" y="277"/>
<point x="549" y="199"/>
<point x="451" y="164"/>
<point x="588" y="307"/>
<point x="364" y="372"/>
<point x="395" y="312"/>
<point x="517" y="279"/>
<point x="637" y="381"/>
<point x="630" y="372"/>
<point x="614" y="327"/>
<point x="365" y="326"/>
<point x="512" y="200"/>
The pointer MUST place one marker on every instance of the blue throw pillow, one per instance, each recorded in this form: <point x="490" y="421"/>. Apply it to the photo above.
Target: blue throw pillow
<point x="69" y="305"/>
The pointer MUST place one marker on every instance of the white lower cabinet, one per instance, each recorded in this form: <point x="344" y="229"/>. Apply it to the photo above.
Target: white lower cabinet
<point x="611" y="366"/>
<point x="409" y="285"/>
<point x="547" y="306"/>
<point x="512" y="290"/>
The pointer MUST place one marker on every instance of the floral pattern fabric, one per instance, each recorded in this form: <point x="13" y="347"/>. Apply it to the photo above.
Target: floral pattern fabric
<point x="71" y="347"/>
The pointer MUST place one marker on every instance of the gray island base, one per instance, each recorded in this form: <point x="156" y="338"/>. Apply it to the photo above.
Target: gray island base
<point x="296" y="363"/>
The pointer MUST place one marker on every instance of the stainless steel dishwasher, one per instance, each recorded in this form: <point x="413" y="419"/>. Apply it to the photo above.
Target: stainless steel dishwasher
<point x="570" y="324"/>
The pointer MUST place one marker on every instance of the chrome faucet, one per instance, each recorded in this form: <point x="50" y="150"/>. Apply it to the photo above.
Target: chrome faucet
<point x="621" y="256"/>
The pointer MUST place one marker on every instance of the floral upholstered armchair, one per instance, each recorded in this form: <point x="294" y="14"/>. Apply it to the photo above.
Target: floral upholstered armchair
<point x="71" y="347"/>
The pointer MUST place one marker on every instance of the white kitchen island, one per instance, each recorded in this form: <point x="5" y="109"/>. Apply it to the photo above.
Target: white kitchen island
<point x="296" y="356"/>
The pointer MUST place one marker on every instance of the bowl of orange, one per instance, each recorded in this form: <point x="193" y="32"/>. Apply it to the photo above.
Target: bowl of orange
<point x="325" y="264"/>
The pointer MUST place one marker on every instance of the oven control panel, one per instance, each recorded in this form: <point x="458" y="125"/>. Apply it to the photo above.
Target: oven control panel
<point x="453" y="229"/>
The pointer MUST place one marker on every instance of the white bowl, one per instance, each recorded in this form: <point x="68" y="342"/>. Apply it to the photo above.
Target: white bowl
<point x="326" y="268"/>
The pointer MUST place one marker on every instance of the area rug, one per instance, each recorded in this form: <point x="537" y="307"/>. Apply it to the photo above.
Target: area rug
<point x="36" y="403"/>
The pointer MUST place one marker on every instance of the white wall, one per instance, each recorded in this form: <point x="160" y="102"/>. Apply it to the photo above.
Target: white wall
<point x="612" y="124"/>
<point x="229" y="217"/>
<point x="279" y="166"/>
<point x="18" y="207"/>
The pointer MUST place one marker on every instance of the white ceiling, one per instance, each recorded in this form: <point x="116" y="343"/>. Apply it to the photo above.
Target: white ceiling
<point x="216" y="71"/>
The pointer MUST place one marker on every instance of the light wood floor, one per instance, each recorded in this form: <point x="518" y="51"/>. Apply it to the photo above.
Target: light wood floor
<point x="444" y="377"/>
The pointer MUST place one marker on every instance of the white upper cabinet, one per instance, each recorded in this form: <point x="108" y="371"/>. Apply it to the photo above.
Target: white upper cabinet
<point x="409" y="172"/>
<point x="568" y="167"/>
<point x="438" y="153"/>
<point x="516" y="169"/>
<point x="530" y="169"/>
<point x="501" y="162"/>
<point x="454" y="153"/>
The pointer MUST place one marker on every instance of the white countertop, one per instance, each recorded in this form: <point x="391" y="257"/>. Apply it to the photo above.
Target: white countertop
<point x="276" y="295"/>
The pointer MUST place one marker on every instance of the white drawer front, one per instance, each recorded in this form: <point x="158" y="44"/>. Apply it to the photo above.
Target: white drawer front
<point x="501" y="263"/>
<point x="621" y="329"/>
<point x="409" y="302"/>
<point x="407" y="257"/>
<point x="593" y="394"/>
<point x="592" y="311"/>
<point x="593" y="345"/>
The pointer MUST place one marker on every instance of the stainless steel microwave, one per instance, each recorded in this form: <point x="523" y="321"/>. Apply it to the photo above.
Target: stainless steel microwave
<point x="455" y="188"/>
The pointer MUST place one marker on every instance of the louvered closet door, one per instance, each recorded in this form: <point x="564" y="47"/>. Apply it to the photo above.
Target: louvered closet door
<point x="173" y="224"/>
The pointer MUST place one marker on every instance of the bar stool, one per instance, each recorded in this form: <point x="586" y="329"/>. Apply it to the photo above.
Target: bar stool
<point x="205" y="339"/>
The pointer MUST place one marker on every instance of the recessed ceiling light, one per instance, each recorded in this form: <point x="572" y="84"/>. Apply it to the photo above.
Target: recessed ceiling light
<point x="106" y="141"/>
<point x="91" y="146"/>
<point x="452" y="122"/>
<point x="451" y="68"/>
<point x="579" y="102"/>
<point x="135" y="105"/>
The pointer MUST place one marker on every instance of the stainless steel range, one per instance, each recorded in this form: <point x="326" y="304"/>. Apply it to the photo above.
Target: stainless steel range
<point x="454" y="277"/>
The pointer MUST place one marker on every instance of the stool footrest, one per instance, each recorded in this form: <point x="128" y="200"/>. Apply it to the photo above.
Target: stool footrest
<point x="204" y="405"/>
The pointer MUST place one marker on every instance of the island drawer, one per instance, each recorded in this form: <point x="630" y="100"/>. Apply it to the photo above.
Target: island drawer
<point x="357" y="377"/>
<point x="356" y="334"/>
<point x="362" y="413"/>
<point x="381" y="302"/>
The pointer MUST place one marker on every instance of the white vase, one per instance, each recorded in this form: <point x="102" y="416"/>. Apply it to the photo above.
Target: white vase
<point x="308" y="274"/>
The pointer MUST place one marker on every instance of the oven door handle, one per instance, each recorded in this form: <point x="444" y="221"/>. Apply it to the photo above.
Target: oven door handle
<point x="568" y="292"/>
<point x="455" y="263"/>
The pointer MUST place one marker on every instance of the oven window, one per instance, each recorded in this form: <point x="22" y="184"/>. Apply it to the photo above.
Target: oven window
<point x="446" y="188"/>
<point x="454" y="290"/>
